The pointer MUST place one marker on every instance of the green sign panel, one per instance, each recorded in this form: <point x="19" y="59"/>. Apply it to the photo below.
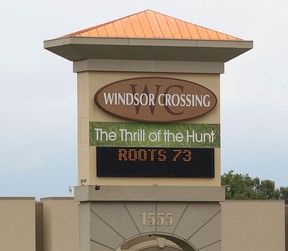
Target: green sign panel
<point x="154" y="135"/>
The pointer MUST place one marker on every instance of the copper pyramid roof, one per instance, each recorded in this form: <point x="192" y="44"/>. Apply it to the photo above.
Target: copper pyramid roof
<point x="149" y="35"/>
<point x="151" y="24"/>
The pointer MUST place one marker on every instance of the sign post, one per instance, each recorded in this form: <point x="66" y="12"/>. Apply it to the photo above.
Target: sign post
<point x="149" y="130"/>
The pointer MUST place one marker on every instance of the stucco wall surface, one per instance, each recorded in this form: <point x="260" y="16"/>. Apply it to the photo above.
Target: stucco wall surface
<point x="253" y="225"/>
<point x="286" y="227"/>
<point x="60" y="224"/>
<point x="246" y="225"/>
<point x="17" y="224"/>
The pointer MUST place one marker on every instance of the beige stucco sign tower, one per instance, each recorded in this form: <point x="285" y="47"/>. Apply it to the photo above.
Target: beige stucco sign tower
<point x="149" y="131"/>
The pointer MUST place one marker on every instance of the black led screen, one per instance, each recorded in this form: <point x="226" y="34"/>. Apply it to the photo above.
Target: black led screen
<point x="155" y="162"/>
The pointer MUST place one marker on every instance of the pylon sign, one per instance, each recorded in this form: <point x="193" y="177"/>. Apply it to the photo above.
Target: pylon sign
<point x="156" y="144"/>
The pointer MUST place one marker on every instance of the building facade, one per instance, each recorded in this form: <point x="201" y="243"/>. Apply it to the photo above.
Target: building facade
<point x="52" y="225"/>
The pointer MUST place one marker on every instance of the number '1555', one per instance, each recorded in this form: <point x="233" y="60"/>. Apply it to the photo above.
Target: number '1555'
<point x="159" y="219"/>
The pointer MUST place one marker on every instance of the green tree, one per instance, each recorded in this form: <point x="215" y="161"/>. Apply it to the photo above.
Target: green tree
<point x="284" y="194"/>
<point x="243" y="187"/>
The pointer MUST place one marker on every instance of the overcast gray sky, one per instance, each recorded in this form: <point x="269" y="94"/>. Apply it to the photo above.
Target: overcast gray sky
<point x="38" y="89"/>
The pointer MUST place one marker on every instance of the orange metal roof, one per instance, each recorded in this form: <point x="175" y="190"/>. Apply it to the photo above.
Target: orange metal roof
<point x="151" y="24"/>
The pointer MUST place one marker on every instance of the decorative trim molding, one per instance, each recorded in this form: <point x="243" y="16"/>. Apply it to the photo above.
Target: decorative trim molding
<point x="148" y="66"/>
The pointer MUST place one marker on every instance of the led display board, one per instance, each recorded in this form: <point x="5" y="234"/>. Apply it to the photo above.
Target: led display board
<point x="152" y="144"/>
<point x="155" y="162"/>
